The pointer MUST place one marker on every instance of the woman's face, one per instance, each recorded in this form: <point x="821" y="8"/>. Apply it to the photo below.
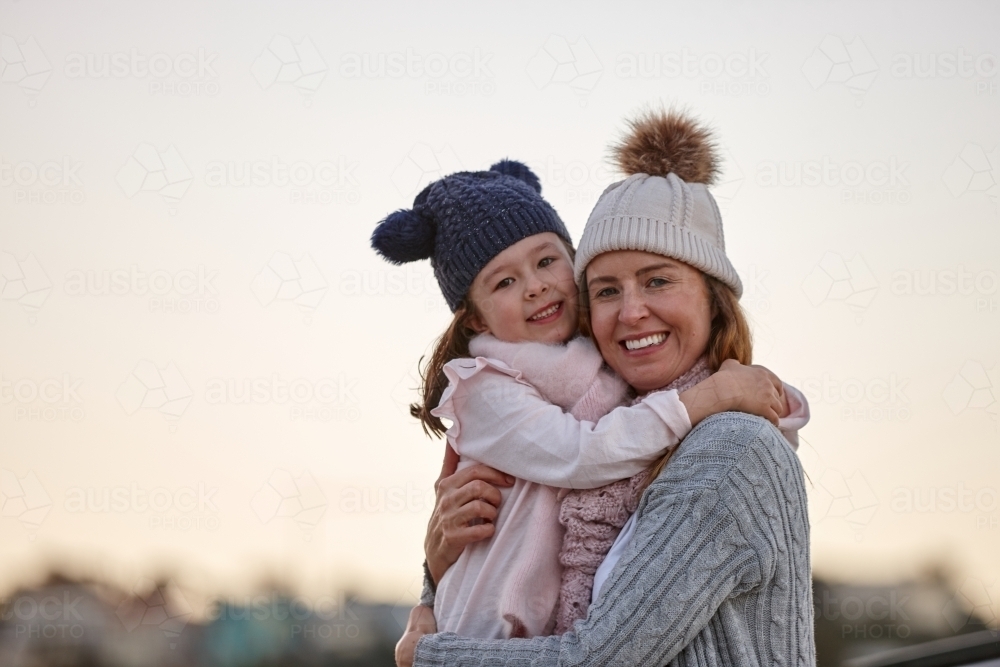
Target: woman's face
<point x="650" y="315"/>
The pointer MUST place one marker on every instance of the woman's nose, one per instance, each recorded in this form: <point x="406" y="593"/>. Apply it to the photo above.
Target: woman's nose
<point x="633" y="308"/>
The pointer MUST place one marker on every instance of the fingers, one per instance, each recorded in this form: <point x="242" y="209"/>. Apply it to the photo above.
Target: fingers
<point x="476" y="490"/>
<point x="460" y="538"/>
<point x="477" y="472"/>
<point x="476" y="509"/>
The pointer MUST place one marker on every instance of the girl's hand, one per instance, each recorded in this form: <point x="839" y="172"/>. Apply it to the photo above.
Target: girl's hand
<point x="751" y="389"/>
<point x="466" y="506"/>
<point x="421" y="623"/>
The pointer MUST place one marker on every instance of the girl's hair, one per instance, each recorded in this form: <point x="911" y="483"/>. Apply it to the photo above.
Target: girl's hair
<point x="729" y="337"/>
<point x="453" y="344"/>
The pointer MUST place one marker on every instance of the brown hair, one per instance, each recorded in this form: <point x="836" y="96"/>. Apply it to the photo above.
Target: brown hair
<point x="729" y="338"/>
<point x="453" y="344"/>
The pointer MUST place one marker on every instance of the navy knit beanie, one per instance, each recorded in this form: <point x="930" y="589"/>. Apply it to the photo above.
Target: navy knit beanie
<point x="466" y="219"/>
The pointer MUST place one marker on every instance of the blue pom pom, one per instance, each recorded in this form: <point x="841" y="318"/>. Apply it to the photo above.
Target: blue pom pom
<point x="405" y="236"/>
<point x="518" y="170"/>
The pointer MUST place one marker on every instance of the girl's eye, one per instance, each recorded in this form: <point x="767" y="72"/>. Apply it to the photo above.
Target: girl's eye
<point x="506" y="282"/>
<point x="545" y="262"/>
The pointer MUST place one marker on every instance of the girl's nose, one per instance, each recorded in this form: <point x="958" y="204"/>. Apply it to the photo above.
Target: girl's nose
<point x="536" y="286"/>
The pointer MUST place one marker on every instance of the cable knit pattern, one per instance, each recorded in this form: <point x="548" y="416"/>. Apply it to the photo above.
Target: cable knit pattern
<point x="593" y="518"/>
<point x="716" y="574"/>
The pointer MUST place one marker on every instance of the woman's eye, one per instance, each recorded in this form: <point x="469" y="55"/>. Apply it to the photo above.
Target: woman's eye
<point x="506" y="282"/>
<point x="545" y="262"/>
<point x="658" y="282"/>
<point x="607" y="291"/>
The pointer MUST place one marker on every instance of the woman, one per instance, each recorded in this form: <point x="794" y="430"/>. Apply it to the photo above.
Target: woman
<point x="713" y="568"/>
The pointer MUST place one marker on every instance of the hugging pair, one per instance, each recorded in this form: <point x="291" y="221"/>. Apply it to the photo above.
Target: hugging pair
<point x="531" y="397"/>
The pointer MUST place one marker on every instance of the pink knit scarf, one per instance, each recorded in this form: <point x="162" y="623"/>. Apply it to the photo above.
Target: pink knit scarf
<point x="594" y="517"/>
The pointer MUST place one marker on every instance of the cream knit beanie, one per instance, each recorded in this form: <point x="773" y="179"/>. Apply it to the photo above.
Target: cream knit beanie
<point x="664" y="206"/>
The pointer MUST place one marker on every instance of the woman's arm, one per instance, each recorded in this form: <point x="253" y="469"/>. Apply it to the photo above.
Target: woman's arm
<point x="692" y="552"/>
<point x="723" y="526"/>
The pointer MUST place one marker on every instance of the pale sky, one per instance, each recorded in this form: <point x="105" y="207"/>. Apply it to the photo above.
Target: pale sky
<point x="220" y="177"/>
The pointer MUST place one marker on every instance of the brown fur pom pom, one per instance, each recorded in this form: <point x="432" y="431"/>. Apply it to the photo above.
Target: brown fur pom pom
<point x="661" y="142"/>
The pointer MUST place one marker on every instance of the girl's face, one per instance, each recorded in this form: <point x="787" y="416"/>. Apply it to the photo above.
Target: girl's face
<point x="650" y="315"/>
<point x="527" y="292"/>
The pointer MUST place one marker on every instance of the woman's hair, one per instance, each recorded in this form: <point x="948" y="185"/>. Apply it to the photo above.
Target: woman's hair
<point x="729" y="337"/>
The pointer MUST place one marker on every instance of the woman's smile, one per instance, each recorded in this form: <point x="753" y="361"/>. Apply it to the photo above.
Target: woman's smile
<point x="644" y="343"/>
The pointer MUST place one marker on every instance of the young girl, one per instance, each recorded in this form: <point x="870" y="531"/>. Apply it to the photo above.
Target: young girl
<point x="504" y="262"/>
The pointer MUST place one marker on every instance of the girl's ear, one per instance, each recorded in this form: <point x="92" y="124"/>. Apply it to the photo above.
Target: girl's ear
<point x="476" y="324"/>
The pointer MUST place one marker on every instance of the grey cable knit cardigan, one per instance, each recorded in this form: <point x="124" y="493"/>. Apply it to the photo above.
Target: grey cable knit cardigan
<point x="717" y="572"/>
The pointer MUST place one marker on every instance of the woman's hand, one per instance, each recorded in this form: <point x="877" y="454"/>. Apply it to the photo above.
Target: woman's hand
<point x="421" y="623"/>
<point x="751" y="389"/>
<point x="466" y="506"/>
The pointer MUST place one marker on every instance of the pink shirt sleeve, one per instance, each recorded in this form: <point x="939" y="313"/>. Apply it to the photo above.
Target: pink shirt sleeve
<point x="798" y="415"/>
<point x="502" y="421"/>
